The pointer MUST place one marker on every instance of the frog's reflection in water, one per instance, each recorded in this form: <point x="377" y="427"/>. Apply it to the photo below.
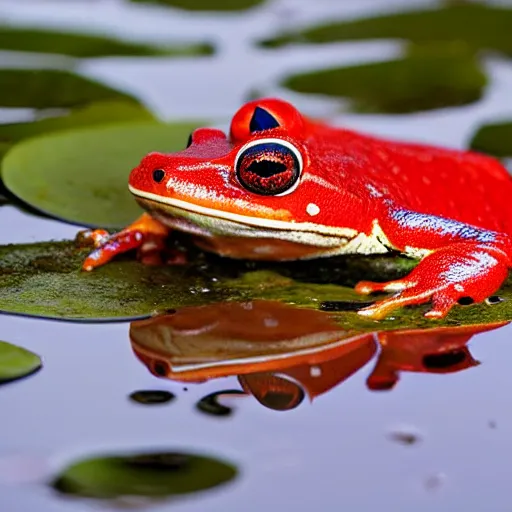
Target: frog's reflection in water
<point x="281" y="353"/>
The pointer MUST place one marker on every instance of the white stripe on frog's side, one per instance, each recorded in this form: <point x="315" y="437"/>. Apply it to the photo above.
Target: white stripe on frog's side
<point x="258" y="222"/>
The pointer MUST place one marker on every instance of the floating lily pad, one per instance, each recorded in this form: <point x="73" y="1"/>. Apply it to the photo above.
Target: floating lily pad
<point x="494" y="139"/>
<point x="81" y="175"/>
<point x="44" y="279"/>
<point x="479" y="26"/>
<point x="88" y="45"/>
<point x="95" y="113"/>
<point x="16" y="362"/>
<point x="151" y="475"/>
<point x="426" y="78"/>
<point x="205" y="5"/>
<point x="52" y="88"/>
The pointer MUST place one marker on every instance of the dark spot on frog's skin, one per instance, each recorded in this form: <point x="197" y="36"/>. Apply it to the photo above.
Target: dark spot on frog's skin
<point x="160" y="369"/>
<point x="466" y="301"/>
<point x="158" y="175"/>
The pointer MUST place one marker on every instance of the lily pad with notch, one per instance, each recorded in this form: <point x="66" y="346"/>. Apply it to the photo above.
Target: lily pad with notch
<point x="155" y="475"/>
<point x="81" y="175"/>
<point x="17" y="362"/>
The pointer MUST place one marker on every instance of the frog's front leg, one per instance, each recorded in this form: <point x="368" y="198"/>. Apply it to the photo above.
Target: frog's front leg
<point x="145" y="234"/>
<point x="460" y="261"/>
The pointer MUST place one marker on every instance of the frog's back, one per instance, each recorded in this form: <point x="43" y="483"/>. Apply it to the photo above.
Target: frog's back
<point x="466" y="186"/>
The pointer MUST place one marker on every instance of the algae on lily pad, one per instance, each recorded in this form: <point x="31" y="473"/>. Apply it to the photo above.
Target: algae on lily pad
<point x="494" y="139"/>
<point x="205" y="5"/>
<point x="53" y="88"/>
<point x="81" y="175"/>
<point x="477" y="25"/>
<point x="16" y="362"/>
<point x="151" y="475"/>
<point x="426" y="78"/>
<point x="76" y="44"/>
<point x="45" y="280"/>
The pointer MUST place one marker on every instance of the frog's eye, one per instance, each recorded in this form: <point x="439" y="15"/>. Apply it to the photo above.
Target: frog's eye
<point x="158" y="175"/>
<point x="269" y="167"/>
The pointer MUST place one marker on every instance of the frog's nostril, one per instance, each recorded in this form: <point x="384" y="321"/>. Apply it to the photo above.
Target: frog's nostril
<point x="158" y="175"/>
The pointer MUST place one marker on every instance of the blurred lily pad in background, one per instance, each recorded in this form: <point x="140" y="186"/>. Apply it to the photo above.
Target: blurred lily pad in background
<point x="16" y="362"/>
<point x="102" y="112"/>
<point x="205" y="5"/>
<point x="427" y="77"/>
<point x="494" y="139"/>
<point x="151" y="475"/>
<point x="81" y="175"/>
<point x="53" y="88"/>
<point x="479" y="26"/>
<point x="88" y="45"/>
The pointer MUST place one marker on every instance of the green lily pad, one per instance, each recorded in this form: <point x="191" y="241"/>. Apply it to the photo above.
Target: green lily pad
<point x="52" y="88"/>
<point x="151" y="475"/>
<point x="45" y="280"/>
<point x="88" y="45"/>
<point x="427" y="78"/>
<point x="93" y="114"/>
<point x="205" y="5"/>
<point x="494" y="139"/>
<point x="16" y="362"/>
<point x="479" y="26"/>
<point x="81" y="175"/>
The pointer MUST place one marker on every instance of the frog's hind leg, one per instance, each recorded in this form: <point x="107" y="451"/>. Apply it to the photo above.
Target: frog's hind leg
<point x="465" y="270"/>
<point x="145" y="234"/>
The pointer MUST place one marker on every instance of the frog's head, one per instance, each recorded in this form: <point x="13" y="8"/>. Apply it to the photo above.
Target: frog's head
<point x="260" y="176"/>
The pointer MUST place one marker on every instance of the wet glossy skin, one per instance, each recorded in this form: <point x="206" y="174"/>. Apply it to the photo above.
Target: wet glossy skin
<point x="283" y="187"/>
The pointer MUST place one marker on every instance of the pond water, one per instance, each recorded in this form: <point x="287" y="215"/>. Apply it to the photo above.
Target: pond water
<point x="434" y="442"/>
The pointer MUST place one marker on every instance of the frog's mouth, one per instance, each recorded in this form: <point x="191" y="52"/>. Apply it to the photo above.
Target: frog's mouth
<point x="209" y="222"/>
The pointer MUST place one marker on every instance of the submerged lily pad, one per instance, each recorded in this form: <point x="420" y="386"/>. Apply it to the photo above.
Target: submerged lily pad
<point x="426" y="78"/>
<point x="151" y="475"/>
<point x="479" y="26"/>
<point x="494" y="139"/>
<point x="205" y="5"/>
<point x="81" y="175"/>
<point x="52" y="88"/>
<point x="16" y="362"/>
<point x="88" y="45"/>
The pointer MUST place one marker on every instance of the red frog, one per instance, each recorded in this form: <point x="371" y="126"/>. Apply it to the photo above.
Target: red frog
<point x="282" y="186"/>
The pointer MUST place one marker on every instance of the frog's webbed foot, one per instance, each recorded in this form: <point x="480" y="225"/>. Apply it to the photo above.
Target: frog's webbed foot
<point x="447" y="275"/>
<point x="146" y="234"/>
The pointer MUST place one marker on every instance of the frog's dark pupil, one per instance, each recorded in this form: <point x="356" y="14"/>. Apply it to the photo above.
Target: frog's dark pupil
<point x="158" y="175"/>
<point x="189" y="142"/>
<point x="266" y="168"/>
